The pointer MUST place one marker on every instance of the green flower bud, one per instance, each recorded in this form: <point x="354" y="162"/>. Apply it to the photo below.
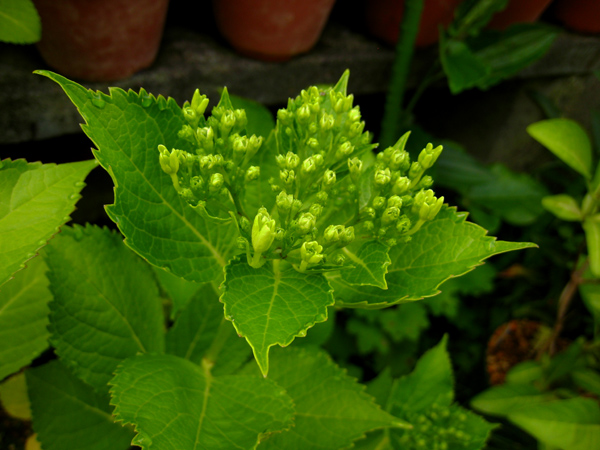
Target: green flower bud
<point x="355" y="166"/>
<point x="415" y="170"/>
<point x="206" y="138"/>
<point x="322" y="197"/>
<point x="244" y="224"/>
<point x="303" y="115"/>
<point x="429" y="156"/>
<point x="240" y="119"/>
<point x="240" y="145"/>
<point x="399" y="160"/>
<point x="284" y="201"/>
<point x="253" y="173"/>
<point x="285" y="117"/>
<point x="316" y="210"/>
<point x="333" y="234"/>
<point x="403" y="224"/>
<point x="190" y="116"/>
<point x="382" y="177"/>
<point x="390" y="215"/>
<point x="356" y="129"/>
<point x="391" y="242"/>
<point x="339" y="259"/>
<point x="292" y="160"/>
<point x="354" y="114"/>
<point x="368" y="213"/>
<point x="379" y="203"/>
<point x="188" y="195"/>
<point x="296" y="205"/>
<point x="328" y="179"/>
<point x="241" y="243"/>
<point x="216" y="182"/>
<point x="199" y="102"/>
<point x="306" y="222"/>
<point x="281" y="162"/>
<point x="169" y="162"/>
<point x="425" y="183"/>
<point x="263" y="231"/>
<point x="401" y="186"/>
<point x="318" y="159"/>
<point x="344" y="150"/>
<point x="394" y="200"/>
<point x="369" y="225"/>
<point x="310" y="253"/>
<point x="186" y="133"/>
<point x="287" y="177"/>
<point x="309" y="166"/>
<point x="196" y="183"/>
<point x="227" y="122"/>
<point x="313" y="144"/>
<point x="326" y="122"/>
<point x="348" y="236"/>
<point x="279" y="234"/>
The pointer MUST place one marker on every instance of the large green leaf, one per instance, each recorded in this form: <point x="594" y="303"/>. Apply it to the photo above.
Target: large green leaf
<point x="370" y="261"/>
<point x="69" y="415"/>
<point x="271" y="305"/>
<point x="19" y="22"/>
<point x="106" y="305"/>
<point x="571" y="424"/>
<point x="202" y="335"/>
<point x="444" y="248"/>
<point x="502" y="400"/>
<point x="567" y="140"/>
<point x="177" y="405"/>
<point x="332" y="409"/>
<point x="157" y="223"/>
<point x="24" y="317"/>
<point x="35" y="200"/>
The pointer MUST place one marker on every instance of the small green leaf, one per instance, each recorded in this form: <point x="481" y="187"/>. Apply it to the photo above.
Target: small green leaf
<point x="525" y="373"/>
<point x="271" y="305"/>
<point x="24" y="317"/>
<point x="202" y="333"/>
<point x="35" y="200"/>
<point x="567" y="140"/>
<point x="587" y="379"/>
<point x="177" y="405"/>
<point x="591" y="226"/>
<point x="127" y="128"/>
<point x="370" y="262"/>
<point x="332" y="409"/>
<point x="106" y="305"/>
<point x="430" y="382"/>
<point x="504" y="399"/>
<point x="571" y="424"/>
<point x="444" y="248"/>
<point x="563" y="206"/>
<point x="67" y="413"/>
<point x="19" y="22"/>
<point x="463" y="68"/>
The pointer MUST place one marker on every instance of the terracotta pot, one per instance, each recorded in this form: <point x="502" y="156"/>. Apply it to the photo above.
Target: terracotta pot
<point x="272" y="30"/>
<point x="518" y="11"/>
<point x="579" y="15"/>
<point x="100" y="40"/>
<point x="384" y="17"/>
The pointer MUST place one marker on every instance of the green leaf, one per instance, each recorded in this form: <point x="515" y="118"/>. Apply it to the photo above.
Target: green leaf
<point x="106" y="305"/>
<point x="430" y="382"/>
<point x="462" y="67"/>
<point x="444" y="248"/>
<point x="332" y="409"/>
<point x="472" y="15"/>
<point x="271" y="305"/>
<point x="157" y="223"/>
<point x="587" y="379"/>
<point x="567" y="140"/>
<point x="67" y="412"/>
<point x="202" y="333"/>
<point x="35" y="200"/>
<point x="591" y="226"/>
<point x="179" y="290"/>
<point x="24" y="317"/>
<point x="563" y="206"/>
<point x="504" y="399"/>
<point x="190" y="409"/>
<point x="370" y="262"/>
<point x="525" y="372"/>
<point x="590" y="294"/>
<point x="571" y="424"/>
<point x="19" y="22"/>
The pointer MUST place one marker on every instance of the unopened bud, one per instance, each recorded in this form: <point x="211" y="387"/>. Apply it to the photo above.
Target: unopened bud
<point x="292" y="160"/>
<point x="309" y="166"/>
<point x="311" y="252"/>
<point x="333" y="234"/>
<point x="355" y="166"/>
<point x="216" y="182"/>
<point x="306" y="222"/>
<point x="401" y="186"/>
<point x="263" y="231"/>
<point x="382" y="177"/>
<point x="253" y="173"/>
<point x="284" y="201"/>
<point x="316" y="210"/>
<point x="379" y="203"/>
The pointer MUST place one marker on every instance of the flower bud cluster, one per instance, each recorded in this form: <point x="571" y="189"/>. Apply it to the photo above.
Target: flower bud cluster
<point x="218" y="168"/>
<point x="401" y="201"/>
<point x="437" y="428"/>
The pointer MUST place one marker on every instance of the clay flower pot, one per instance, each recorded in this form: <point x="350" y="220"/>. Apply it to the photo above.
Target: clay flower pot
<point x="518" y="11"/>
<point x="272" y="30"/>
<point x="579" y="15"/>
<point x="100" y="40"/>
<point x="384" y="17"/>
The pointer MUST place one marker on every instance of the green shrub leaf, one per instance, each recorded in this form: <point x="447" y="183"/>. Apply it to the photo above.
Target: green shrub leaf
<point x="444" y="248"/>
<point x="24" y="317"/>
<point x="271" y="305"/>
<point x="68" y="414"/>
<point x="177" y="405"/>
<point x="567" y="140"/>
<point x="106" y="305"/>
<point x="35" y="200"/>
<point x="157" y="223"/>
<point x="502" y="400"/>
<point x="332" y="409"/>
<point x="19" y="22"/>
<point x="370" y="262"/>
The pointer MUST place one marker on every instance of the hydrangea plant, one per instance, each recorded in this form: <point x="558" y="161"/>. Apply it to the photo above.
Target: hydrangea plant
<point x="246" y="221"/>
